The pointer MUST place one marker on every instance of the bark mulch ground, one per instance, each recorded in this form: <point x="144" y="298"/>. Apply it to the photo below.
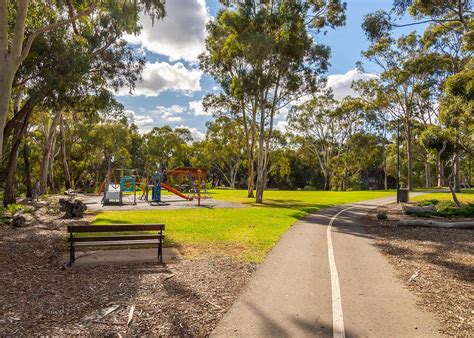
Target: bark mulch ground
<point x="40" y="296"/>
<point x="436" y="264"/>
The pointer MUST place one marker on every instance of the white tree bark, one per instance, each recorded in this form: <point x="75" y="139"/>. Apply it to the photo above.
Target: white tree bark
<point x="48" y="150"/>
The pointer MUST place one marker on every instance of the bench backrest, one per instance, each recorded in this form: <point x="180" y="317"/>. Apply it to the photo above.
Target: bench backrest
<point x="115" y="228"/>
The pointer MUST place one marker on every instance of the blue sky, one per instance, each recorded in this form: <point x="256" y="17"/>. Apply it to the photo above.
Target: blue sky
<point x="173" y="86"/>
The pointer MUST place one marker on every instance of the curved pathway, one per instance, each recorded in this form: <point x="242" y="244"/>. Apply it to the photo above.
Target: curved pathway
<point x="325" y="278"/>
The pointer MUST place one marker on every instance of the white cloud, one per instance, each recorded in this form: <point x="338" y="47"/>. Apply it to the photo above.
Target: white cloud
<point x="195" y="133"/>
<point x="196" y="108"/>
<point x="169" y="113"/>
<point x="180" y="35"/>
<point x="143" y="122"/>
<point x="161" y="76"/>
<point x="341" y="83"/>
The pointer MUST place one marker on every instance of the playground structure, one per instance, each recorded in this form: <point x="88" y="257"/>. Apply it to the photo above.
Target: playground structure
<point x="120" y="185"/>
<point x="190" y="183"/>
<point x="117" y="191"/>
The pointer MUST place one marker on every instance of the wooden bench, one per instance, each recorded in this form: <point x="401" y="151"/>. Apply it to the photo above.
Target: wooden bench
<point x="155" y="239"/>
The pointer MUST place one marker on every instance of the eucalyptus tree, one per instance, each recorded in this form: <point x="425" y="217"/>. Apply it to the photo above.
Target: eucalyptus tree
<point x="57" y="74"/>
<point x="66" y="63"/>
<point x="168" y="146"/>
<point x="408" y="73"/>
<point x="443" y="142"/>
<point x="325" y="125"/>
<point x="224" y="147"/>
<point x="23" y="21"/>
<point x="264" y="55"/>
<point x="454" y="15"/>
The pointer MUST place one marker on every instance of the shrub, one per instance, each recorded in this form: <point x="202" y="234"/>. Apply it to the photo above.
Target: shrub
<point x="428" y="202"/>
<point x="449" y="209"/>
<point x="309" y="188"/>
<point x="14" y="208"/>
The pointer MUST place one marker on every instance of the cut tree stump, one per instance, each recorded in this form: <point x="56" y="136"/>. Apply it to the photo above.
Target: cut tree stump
<point x="18" y="221"/>
<point x="72" y="208"/>
<point x="434" y="224"/>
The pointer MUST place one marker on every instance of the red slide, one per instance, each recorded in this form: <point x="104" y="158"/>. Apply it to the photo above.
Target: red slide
<point x="174" y="191"/>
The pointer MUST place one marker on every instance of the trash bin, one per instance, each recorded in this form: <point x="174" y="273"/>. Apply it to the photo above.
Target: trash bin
<point x="403" y="195"/>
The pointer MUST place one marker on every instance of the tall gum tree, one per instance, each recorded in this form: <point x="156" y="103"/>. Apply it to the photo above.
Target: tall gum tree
<point x="22" y="21"/>
<point x="407" y="71"/>
<point x="264" y="55"/>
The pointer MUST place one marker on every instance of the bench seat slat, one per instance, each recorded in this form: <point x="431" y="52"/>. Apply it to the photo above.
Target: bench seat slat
<point x="115" y="228"/>
<point x="116" y="238"/>
<point x="105" y="243"/>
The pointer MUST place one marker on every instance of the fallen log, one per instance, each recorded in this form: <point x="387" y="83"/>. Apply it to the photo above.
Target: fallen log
<point x="416" y="210"/>
<point x="434" y="224"/>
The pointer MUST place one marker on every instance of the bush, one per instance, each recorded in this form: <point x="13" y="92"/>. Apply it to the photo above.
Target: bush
<point x="427" y="202"/>
<point x="449" y="208"/>
<point x="14" y="208"/>
<point x="309" y="188"/>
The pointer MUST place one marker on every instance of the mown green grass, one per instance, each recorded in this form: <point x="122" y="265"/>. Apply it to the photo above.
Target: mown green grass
<point x="247" y="233"/>
<point x="467" y="196"/>
<point x="306" y="201"/>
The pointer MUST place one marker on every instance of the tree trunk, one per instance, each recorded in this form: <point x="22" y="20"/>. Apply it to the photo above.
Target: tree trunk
<point x="251" y="176"/>
<point x="11" y="60"/>
<point x="67" y="175"/>
<point x="440" y="171"/>
<point x="9" y="196"/>
<point x="409" y="158"/>
<point x="457" y="173"/>
<point x="427" y="174"/>
<point x="344" y="181"/>
<point x="327" y="181"/>
<point x="10" y="177"/>
<point x="260" y="186"/>
<point x="51" y="165"/>
<point x="6" y="83"/>
<point x="47" y="154"/>
<point x="27" y="170"/>
<point x="453" y="194"/>
<point x="233" y="175"/>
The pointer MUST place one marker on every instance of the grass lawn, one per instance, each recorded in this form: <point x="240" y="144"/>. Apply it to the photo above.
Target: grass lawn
<point x="467" y="196"/>
<point x="246" y="233"/>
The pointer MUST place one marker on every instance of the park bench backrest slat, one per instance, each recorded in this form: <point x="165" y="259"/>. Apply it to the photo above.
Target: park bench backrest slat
<point x="115" y="238"/>
<point x="115" y="228"/>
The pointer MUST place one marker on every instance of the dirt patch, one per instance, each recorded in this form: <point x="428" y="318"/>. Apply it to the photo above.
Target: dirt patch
<point x="42" y="297"/>
<point x="436" y="264"/>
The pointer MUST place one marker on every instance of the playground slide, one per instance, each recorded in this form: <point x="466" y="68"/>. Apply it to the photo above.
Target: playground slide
<point x="174" y="191"/>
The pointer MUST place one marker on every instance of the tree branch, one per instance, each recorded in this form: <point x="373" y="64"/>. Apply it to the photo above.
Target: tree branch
<point x="53" y="26"/>
<point x="3" y="28"/>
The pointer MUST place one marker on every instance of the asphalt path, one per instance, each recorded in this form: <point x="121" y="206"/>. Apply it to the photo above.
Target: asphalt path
<point x="326" y="278"/>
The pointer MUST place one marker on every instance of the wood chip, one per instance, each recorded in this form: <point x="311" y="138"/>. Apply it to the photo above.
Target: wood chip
<point x="101" y="313"/>
<point x="130" y="315"/>
<point x="413" y="277"/>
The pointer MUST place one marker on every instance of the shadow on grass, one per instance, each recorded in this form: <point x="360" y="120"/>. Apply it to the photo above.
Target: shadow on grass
<point x="298" y="205"/>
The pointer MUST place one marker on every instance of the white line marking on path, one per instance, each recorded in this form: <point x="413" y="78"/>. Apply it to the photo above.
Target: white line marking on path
<point x="337" y="317"/>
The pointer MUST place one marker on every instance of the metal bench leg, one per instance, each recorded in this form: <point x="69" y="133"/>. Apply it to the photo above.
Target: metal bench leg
<point x="72" y="257"/>
<point x="160" y="250"/>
